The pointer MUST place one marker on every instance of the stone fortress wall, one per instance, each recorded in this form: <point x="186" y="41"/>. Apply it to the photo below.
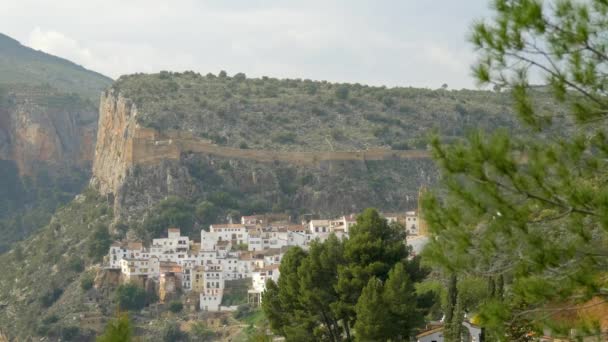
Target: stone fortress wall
<point x="150" y="147"/>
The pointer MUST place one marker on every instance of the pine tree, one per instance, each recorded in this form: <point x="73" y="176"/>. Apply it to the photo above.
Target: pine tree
<point x="451" y="323"/>
<point x="401" y="302"/>
<point x="117" y="330"/>
<point x="317" y="295"/>
<point x="532" y="207"/>
<point x="372" y="316"/>
<point x="372" y="249"/>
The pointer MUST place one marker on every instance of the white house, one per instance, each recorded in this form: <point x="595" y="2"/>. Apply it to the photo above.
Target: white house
<point x="135" y="267"/>
<point x="235" y="233"/>
<point x="119" y="251"/>
<point x="213" y="282"/>
<point x="411" y="223"/>
<point x="258" y="284"/>
<point x="174" y="243"/>
<point x="319" y="229"/>
<point x="343" y="223"/>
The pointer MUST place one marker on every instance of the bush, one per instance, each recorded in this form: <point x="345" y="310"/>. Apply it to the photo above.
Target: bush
<point x="76" y="264"/>
<point x="342" y="92"/>
<point x="176" y="307"/>
<point x="242" y="311"/>
<point x="284" y="137"/>
<point x="50" y="319"/>
<point x="200" y="332"/>
<point x="86" y="283"/>
<point x="71" y="333"/>
<point x="172" y="333"/>
<point x="130" y="297"/>
<point x="51" y="297"/>
<point x="99" y="243"/>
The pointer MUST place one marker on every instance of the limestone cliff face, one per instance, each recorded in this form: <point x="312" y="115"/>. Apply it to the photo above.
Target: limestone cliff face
<point x="115" y="133"/>
<point x="57" y="134"/>
<point x="137" y="167"/>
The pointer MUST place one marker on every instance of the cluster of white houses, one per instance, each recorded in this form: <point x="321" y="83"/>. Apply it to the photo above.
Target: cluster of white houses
<point x="251" y="249"/>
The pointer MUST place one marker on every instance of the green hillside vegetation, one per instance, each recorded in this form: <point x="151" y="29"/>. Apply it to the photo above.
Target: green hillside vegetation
<point x="269" y="113"/>
<point x="40" y="282"/>
<point x="26" y="204"/>
<point x="535" y="231"/>
<point x="41" y="84"/>
<point x="22" y="65"/>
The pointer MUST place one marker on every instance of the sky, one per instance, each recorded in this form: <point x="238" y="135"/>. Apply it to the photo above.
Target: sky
<point x="418" y="43"/>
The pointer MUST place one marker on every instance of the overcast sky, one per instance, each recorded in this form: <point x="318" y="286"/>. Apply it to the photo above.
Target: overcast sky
<point x="419" y="43"/>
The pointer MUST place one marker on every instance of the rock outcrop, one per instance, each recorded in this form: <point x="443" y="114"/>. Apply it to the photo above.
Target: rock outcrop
<point x="138" y="167"/>
<point x="46" y="129"/>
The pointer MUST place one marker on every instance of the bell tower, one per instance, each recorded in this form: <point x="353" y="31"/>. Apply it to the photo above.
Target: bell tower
<point x="422" y="226"/>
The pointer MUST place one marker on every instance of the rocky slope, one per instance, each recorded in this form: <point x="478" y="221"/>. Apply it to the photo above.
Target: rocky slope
<point x="22" y="65"/>
<point x="139" y="166"/>
<point x="48" y="126"/>
<point x="41" y="126"/>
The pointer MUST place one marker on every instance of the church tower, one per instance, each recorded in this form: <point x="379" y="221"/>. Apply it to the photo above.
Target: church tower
<point x="422" y="226"/>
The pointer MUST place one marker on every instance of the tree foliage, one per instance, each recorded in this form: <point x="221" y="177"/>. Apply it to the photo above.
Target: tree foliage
<point x="530" y="210"/>
<point x="130" y="297"/>
<point x="117" y="330"/>
<point x="99" y="242"/>
<point x="319" y="293"/>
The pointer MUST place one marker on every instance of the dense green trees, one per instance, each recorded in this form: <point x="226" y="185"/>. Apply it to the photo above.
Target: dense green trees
<point x="336" y="286"/>
<point x="130" y="297"/>
<point x="531" y="211"/>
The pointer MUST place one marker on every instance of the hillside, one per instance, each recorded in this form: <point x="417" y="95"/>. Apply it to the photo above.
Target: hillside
<point x="163" y="157"/>
<point x="22" y="65"/>
<point x="307" y="115"/>
<point x="285" y="145"/>
<point x="48" y="125"/>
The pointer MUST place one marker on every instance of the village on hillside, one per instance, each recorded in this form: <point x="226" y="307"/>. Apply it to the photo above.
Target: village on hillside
<point x="250" y="251"/>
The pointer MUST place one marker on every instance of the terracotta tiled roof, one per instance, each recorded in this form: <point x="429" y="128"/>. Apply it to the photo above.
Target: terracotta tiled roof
<point x="229" y="225"/>
<point x="268" y="268"/>
<point x="135" y="245"/>
<point x="429" y="332"/>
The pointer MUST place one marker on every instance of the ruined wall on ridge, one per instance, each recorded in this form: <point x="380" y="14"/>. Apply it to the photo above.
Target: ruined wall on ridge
<point x="141" y="166"/>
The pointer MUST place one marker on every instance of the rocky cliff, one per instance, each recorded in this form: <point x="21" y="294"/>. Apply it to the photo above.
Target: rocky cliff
<point x="39" y="127"/>
<point x="139" y="166"/>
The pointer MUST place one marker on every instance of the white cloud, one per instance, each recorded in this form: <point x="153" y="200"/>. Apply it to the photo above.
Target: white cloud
<point x="56" y="43"/>
<point x="392" y="42"/>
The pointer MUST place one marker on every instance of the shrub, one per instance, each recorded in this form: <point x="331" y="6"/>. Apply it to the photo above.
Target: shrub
<point x="130" y="297"/>
<point x="71" y="333"/>
<point x="200" y="332"/>
<point x="176" y="306"/>
<point x="51" y="297"/>
<point x="240" y="77"/>
<point x="284" y="137"/>
<point x="172" y="333"/>
<point x="76" y="264"/>
<point x="342" y="92"/>
<point x="86" y="283"/>
<point x="99" y="243"/>
<point x="50" y="319"/>
<point x="242" y="311"/>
